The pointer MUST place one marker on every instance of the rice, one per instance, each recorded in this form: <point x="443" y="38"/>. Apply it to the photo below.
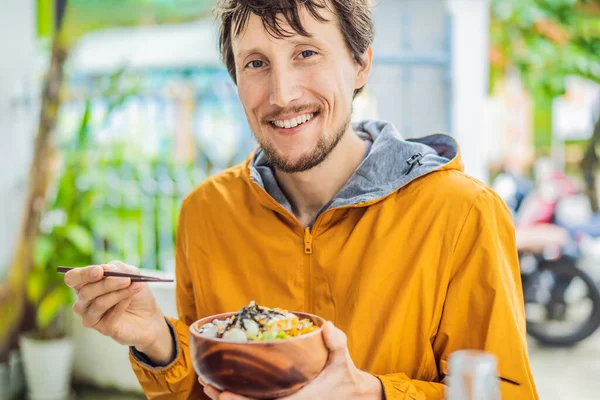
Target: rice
<point x="257" y="323"/>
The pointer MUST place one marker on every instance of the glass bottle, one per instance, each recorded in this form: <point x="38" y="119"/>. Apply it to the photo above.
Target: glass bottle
<point x="473" y="376"/>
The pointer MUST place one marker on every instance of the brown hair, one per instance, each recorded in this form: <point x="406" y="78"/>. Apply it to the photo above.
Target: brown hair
<point x="354" y="19"/>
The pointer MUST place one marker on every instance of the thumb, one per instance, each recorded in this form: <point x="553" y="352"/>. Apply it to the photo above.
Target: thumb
<point x="335" y="339"/>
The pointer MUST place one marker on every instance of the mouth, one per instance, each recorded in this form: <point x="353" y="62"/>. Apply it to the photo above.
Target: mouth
<point x="293" y="125"/>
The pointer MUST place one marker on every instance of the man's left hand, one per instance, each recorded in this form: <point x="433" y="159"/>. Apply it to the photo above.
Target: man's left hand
<point x="340" y="379"/>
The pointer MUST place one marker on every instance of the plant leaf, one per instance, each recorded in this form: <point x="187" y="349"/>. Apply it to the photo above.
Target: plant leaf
<point x="36" y="284"/>
<point x="82" y="134"/>
<point x="51" y="305"/>
<point x="44" y="247"/>
<point x="81" y="238"/>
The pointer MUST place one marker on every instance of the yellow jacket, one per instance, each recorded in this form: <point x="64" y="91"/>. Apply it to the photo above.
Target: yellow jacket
<point x="412" y="259"/>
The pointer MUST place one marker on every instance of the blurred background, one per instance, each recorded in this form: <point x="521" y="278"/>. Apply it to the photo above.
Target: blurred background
<point x="111" y="111"/>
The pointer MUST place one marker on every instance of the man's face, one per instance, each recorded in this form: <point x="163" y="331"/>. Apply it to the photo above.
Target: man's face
<point x="297" y="91"/>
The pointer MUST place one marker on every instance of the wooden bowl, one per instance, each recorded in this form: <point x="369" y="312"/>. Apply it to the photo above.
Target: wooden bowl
<point x="260" y="370"/>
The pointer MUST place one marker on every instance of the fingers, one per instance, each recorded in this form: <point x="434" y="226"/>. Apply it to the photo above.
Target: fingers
<point x="110" y="319"/>
<point x="78" y="277"/>
<point x="231" y="396"/>
<point x="91" y="291"/>
<point x="214" y="394"/>
<point x="335" y="339"/>
<point x="122" y="267"/>
<point x="89" y="284"/>
<point x="97" y="308"/>
<point x="96" y="296"/>
<point x="211" y="392"/>
<point x="337" y="343"/>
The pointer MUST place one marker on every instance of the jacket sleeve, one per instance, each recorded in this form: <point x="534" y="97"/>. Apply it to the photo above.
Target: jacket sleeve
<point x="483" y="309"/>
<point x="177" y="380"/>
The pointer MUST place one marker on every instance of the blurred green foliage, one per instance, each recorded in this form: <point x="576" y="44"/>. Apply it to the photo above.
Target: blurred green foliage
<point x="69" y="225"/>
<point x="546" y="41"/>
<point x="65" y="239"/>
<point x="110" y="199"/>
<point x="84" y="16"/>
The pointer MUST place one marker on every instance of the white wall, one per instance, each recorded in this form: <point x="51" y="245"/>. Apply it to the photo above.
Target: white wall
<point x="17" y="59"/>
<point x="164" y="46"/>
<point x="420" y="107"/>
<point x="470" y="68"/>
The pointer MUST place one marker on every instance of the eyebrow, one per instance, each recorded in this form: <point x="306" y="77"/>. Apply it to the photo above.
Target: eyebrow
<point x="297" y="42"/>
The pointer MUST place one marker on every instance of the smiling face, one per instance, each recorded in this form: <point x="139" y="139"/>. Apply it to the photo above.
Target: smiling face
<point x="297" y="90"/>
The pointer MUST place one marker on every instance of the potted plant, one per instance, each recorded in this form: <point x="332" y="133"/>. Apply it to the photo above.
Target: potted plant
<point x="65" y="238"/>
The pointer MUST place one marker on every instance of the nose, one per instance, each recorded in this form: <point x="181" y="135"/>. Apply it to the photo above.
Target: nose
<point x="284" y="87"/>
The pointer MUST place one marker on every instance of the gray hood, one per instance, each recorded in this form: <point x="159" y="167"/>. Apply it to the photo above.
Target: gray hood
<point x="391" y="163"/>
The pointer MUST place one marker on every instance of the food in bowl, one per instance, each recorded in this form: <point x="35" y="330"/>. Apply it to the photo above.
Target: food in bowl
<point x="259" y="369"/>
<point x="257" y="323"/>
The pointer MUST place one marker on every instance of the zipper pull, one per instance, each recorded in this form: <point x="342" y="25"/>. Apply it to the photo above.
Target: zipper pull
<point x="414" y="160"/>
<point x="307" y="241"/>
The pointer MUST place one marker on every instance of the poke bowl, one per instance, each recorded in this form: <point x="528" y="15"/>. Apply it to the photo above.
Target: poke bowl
<point x="258" y="352"/>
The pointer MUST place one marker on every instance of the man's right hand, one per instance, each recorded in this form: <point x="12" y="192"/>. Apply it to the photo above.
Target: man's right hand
<point x="125" y="311"/>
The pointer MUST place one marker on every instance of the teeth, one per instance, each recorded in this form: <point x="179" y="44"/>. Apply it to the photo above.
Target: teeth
<point x="294" y="122"/>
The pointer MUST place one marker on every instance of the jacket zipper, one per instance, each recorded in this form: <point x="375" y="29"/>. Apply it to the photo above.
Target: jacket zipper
<point x="308" y="237"/>
<point x="308" y="273"/>
<point x="307" y="241"/>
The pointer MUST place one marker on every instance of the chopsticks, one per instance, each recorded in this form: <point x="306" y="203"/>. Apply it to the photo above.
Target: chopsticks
<point x="134" y="278"/>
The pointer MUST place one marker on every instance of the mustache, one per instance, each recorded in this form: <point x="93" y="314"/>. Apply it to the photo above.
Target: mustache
<point x="299" y="109"/>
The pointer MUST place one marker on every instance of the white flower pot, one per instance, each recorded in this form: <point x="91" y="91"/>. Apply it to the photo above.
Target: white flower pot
<point x="47" y="365"/>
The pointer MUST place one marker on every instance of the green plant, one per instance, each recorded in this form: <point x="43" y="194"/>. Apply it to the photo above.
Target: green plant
<point x="65" y="239"/>
<point x="545" y="42"/>
<point x="42" y="286"/>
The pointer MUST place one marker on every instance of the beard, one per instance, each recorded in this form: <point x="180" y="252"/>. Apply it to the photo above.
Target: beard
<point x="322" y="150"/>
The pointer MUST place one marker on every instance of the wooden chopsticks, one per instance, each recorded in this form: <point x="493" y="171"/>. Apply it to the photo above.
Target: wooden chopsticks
<point x="134" y="278"/>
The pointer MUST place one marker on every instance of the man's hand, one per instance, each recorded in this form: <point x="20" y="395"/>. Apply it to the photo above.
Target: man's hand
<point x="340" y="379"/>
<point x="124" y="311"/>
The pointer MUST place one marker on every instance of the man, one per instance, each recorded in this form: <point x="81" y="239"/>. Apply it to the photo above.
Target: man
<point x="386" y="238"/>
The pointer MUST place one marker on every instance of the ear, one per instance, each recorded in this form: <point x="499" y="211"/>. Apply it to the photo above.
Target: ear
<point x="363" y="71"/>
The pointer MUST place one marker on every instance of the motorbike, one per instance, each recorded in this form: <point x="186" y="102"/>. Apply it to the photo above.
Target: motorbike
<point x="562" y="300"/>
